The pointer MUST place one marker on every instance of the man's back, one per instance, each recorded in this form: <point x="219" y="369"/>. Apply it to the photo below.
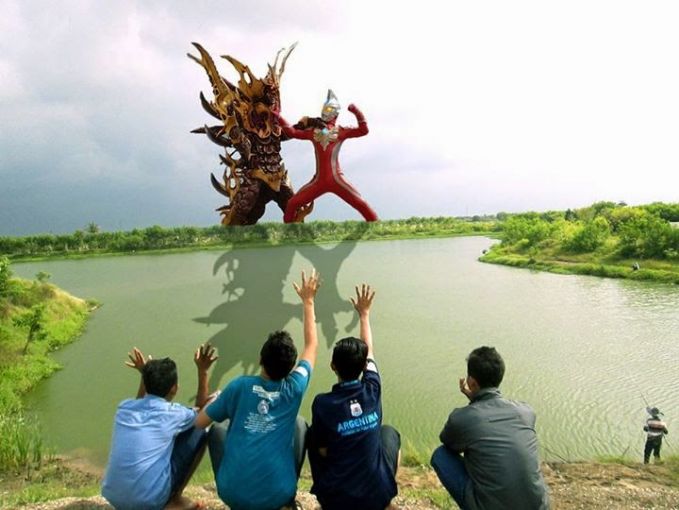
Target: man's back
<point x="346" y="423"/>
<point x="258" y="468"/>
<point x="499" y="443"/>
<point x="138" y="473"/>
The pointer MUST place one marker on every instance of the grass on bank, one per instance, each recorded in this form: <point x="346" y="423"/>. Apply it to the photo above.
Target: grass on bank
<point x="24" y="363"/>
<point x="607" y="266"/>
<point x="669" y="465"/>
<point x="604" y="239"/>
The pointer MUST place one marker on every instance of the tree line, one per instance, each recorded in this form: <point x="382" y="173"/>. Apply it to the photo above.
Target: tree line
<point x="93" y="240"/>
<point x="643" y="232"/>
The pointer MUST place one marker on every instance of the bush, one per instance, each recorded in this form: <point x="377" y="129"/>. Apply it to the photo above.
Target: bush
<point x="531" y="228"/>
<point x="5" y="275"/>
<point x="647" y="236"/>
<point x="590" y="236"/>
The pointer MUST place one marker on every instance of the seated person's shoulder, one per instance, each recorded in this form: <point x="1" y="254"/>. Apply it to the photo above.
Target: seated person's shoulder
<point x="520" y="409"/>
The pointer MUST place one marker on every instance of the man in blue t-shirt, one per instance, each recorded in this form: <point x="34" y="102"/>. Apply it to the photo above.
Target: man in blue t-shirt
<point x="155" y="447"/>
<point x="353" y="457"/>
<point x="255" y="462"/>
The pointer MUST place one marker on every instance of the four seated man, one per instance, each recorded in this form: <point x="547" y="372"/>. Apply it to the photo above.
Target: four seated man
<point x="257" y="441"/>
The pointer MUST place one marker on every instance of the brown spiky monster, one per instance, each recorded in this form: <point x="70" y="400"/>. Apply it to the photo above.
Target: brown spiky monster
<point x="251" y="137"/>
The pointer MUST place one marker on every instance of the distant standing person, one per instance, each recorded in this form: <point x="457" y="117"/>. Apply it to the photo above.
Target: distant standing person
<point x="489" y="457"/>
<point x="655" y="429"/>
<point x="353" y="456"/>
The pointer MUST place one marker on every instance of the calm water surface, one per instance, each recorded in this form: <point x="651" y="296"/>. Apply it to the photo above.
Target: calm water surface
<point x="581" y="350"/>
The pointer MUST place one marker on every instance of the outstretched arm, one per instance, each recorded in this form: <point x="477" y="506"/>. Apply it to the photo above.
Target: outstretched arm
<point x="204" y="357"/>
<point x="291" y="132"/>
<point x="362" y="304"/>
<point x="362" y="128"/>
<point x="307" y="292"/>
<point x="137" y="361"/>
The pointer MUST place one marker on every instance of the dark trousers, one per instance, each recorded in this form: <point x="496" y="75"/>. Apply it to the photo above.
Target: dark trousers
<point x="391" y="447"/>
<point x="653" y="445"/>
<point x="187" y="446"/>
<point x="449" y="467"/>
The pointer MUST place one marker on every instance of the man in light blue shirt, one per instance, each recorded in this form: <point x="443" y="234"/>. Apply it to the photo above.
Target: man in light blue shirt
<point x="255" y="462"/>
<point x="155" y="447"/>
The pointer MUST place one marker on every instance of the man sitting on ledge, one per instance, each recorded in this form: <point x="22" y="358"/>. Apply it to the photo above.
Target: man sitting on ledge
<point x="499" y="468"/>
<point x="155" y="447"/>
<point x="258" y="458"/>
<point x="353" y="456"/>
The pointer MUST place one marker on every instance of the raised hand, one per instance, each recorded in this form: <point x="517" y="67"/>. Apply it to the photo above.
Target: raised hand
<point x="464" y="388"/>
<point x="307" y="290"/>
<point x="352" y="108"/>
<point x="364" y="299"/>
<point x="137" y="360"/>
<point x="204" y="357"/>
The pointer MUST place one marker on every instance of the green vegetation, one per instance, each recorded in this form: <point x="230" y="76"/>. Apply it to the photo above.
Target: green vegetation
<point x="36" y="318"/>
<point x="92" y="241"/>
<point x="604" y="239"/>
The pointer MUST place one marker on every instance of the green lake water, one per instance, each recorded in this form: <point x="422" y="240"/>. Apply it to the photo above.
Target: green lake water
<point x="581" y="350"/>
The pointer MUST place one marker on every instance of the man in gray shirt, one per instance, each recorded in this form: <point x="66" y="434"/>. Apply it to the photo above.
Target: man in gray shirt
<point x="489" y="457"/>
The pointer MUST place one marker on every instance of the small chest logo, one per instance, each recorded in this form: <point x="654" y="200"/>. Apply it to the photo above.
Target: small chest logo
<point x="263" y="407"/>
<point x="355" y="408"/>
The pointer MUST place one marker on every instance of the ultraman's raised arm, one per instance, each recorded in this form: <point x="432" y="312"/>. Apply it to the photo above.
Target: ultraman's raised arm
<point x="362" y="128"/>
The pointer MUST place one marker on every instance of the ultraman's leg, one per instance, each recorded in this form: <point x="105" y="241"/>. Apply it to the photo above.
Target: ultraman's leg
<point x="306" y="194"/>
<point x="344" y="191"/>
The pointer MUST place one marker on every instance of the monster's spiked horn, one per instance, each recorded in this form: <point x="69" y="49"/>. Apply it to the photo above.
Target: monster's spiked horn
<point x="219" y="186"/>
<point x="208" y="107"/>
<point x="219" y="88"/>
<point x="285" y="59"/>
<point x="242" y="69"/>
<point x="214" y="137"/>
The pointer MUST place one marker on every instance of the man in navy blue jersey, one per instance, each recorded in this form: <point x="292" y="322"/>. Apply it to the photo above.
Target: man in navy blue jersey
<point x="353" y="456"/>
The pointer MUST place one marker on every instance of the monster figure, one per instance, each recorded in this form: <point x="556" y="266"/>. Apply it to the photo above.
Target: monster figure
<point x="327" y="139"/>
<point x="251" y="137"/>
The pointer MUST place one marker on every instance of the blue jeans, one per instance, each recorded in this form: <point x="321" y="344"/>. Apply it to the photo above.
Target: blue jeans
<point x="187" y="446"/>
<point x="450" y="469"/>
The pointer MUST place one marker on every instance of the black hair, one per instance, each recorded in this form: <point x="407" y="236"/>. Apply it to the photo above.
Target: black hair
<point x="486" y="366"/>
<point x="159" y="376"/>
<point x="278" y="355"/>
<point x="348" y="357"/>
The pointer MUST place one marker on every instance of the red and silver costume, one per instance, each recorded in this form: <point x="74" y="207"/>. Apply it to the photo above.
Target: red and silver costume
<point x="327" y="139"/>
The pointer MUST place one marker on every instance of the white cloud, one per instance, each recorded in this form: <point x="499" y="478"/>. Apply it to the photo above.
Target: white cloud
<point x="491" y="105"/>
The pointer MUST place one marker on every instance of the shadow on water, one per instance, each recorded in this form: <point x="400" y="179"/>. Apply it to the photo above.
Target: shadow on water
<point x="253" y="305"/>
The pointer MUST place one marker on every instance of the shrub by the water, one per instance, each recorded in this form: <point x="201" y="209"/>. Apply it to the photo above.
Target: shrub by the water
<point x="35" y="319"/>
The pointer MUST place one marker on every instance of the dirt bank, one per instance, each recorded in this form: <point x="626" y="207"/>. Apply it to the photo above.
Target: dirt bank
<point x="585" y="485"/>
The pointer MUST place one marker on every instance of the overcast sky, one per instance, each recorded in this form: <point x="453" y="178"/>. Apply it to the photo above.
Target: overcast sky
<point x="473" y="107"/>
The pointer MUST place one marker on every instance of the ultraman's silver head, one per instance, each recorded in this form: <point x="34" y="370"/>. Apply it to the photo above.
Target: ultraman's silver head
<point x="331" y="107"/>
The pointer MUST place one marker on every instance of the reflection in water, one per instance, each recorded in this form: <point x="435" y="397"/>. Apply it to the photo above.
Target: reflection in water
<point x="581" y="350"/>
<point x="253" y="295"/>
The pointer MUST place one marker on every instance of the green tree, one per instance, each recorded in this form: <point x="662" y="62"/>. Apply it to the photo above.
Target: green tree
<point x="92" y="228"/>
<point x="5" y="275"/>
<point x="33" y="319"/>
<point x="590" y="236"/>
<point x="529" y="227"/>
<point x="646" y="236"/>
